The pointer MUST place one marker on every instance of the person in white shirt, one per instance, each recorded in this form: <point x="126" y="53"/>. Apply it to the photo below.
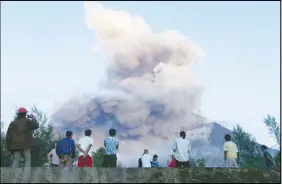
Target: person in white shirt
<point x="146" y="159"/>
<point x="84" y="145"/>
<point x="182" y="149"/>
<point x="53" y="158"/>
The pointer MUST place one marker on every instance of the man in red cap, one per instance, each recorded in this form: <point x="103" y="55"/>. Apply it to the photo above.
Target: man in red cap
<point x="19" y="136"/>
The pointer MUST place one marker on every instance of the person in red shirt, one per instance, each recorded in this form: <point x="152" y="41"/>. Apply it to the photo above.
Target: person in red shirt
<point x="171" y="164"/>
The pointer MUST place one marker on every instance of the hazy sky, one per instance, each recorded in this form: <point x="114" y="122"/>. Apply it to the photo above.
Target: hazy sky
<point x="46" y="55"/>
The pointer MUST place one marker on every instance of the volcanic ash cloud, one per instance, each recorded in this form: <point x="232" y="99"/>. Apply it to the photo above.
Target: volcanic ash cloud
<point x="149" y="67"/>
<point x="150" y="87"/>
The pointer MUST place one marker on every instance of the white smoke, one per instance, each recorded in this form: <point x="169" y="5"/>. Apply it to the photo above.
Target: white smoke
<point x="146" y="72"/>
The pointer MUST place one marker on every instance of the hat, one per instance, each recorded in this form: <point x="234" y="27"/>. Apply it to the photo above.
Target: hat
<point x="22" y="110"/>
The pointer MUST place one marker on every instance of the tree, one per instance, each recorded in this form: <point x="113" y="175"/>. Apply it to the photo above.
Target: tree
<point x="274" y="131"/>
<point x="249" y="154"/>
<point x="44" y="137"/>
<point x="273" y="128"/>
<point x="201" y="163"/>
<point x="98" y="157"/>
<point x="6" y="160"/>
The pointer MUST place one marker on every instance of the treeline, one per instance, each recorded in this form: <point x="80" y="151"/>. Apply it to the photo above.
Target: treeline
<point x="249" y="156"/>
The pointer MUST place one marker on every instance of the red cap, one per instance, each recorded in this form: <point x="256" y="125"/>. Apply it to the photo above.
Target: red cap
<point x="22" y="110"/>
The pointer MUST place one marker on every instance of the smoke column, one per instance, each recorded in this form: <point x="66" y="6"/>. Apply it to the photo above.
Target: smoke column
<point x="150" y="88"/>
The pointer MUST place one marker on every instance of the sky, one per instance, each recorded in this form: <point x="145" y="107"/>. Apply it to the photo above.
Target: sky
<point x="47" y="55"/>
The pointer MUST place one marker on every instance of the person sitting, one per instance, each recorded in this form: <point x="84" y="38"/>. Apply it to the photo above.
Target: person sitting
<point x="53" y="157"/>
<point x="146" y="159"/>
<point x="154" y="162"/>
<point x="171" y="164"/>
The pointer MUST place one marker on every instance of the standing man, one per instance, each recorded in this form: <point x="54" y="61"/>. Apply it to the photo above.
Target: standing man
<point x="53" y="157"/>
<point x="84" y="145"/>
<point x="182" y="150"/>
<point x="111" y="146"/>
<point x="66" y="150"/>
<point x="146" y="159"/>
<point x="230" y="152"/>
<point x="19" y="137"/>
<point x="268" y="158"/>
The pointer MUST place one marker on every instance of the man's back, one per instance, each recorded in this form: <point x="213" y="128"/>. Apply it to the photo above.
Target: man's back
<point x="182" y="149"/>
<point x="84" y="143"/>
<point x="267" y="156"/>
<point x="111" y="144"/>
<point x="65" y="146"/>
<point x="19" y="134"/>
<point x="146" y="160"/>
<point x="231" y="149"/>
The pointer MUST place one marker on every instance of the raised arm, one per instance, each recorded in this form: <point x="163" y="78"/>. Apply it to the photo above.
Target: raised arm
<point x="33" y="123"/>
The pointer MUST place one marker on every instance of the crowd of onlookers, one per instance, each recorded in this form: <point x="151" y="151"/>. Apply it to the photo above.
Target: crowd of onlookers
<point x="19" y="138"/>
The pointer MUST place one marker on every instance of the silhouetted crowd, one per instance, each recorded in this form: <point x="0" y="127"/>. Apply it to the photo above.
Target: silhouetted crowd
<point x="19" y="139"/>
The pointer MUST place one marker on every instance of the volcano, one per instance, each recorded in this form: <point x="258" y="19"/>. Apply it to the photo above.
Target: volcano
<point x="207" y="138"/>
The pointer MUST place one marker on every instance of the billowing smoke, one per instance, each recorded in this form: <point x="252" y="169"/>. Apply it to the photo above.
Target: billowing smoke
<point x="150" y="92"/>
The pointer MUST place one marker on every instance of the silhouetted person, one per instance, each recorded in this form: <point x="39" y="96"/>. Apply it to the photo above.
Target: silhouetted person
<point x="111" y="146"/>
<point x="84" y="145"/>
<point x="230" y="152"/>
<point x="19" y="137"/>
<point x="268" y="158"/>
<point x="182" y="150"/>
<point x="139" y="162"/>
<point x="66" y="150"/>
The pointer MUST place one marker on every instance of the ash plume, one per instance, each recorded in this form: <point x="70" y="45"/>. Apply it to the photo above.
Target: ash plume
<point x="150" y="92"/>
